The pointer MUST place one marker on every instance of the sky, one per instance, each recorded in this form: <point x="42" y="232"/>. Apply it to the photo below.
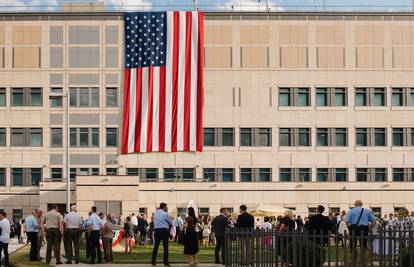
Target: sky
<point x="218" y="5"/>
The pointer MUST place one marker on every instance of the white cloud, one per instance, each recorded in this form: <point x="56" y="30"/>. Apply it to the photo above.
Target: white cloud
<point x="128" y="5"/>
<point x="31" y="5"/>
<point x="251" y="5"/>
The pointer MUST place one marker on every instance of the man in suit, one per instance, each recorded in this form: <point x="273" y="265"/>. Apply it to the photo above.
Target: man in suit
<point x="318" y="225"/>
<point x="245" y="220"/>
<point x="220" y="223"/>
<point x="245" y="224"/>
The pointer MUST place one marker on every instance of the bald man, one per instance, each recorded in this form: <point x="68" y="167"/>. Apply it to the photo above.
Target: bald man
<point x="359" y="221"/>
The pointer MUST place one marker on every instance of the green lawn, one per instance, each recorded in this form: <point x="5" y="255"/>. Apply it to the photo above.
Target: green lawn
<point x="20" y="258"/>
<point x="142" y="254"/>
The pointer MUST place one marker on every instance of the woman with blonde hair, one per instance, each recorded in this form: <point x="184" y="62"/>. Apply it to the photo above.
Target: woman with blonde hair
<point x="287" y="223"/>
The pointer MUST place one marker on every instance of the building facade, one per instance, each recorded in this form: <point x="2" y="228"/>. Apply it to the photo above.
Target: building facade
<point x="300" y="109"/>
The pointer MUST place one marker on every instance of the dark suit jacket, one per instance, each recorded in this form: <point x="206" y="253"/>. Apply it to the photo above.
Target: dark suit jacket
<point x="220" y="223"/>
<point x="319" y="224"/>
<point x="245" y="220"/>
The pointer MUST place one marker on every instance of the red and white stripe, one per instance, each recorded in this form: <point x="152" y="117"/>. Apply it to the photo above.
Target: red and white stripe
<point x="163" y="105"/>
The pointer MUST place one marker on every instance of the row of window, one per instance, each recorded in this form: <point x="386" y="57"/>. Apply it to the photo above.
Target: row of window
<point x="338" y="96"/>
<point x="32" y="176"/>
<point x="79" y="137"/>
<point x="288" y="96"/>
<point x="79" y="97"/>
<point x="302" y="137"/>
<point x="325" y="137"/>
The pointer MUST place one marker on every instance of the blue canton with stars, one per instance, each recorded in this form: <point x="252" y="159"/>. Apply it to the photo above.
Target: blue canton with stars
<point x="145" y="39"/>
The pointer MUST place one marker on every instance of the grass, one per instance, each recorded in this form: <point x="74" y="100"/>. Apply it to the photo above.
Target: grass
<point x="142" y="254"/>
<point x="20" y="258"/>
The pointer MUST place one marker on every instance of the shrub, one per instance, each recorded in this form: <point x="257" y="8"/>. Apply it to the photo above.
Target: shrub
<point x="304" y="252"/>
<point x="406" y="257"/>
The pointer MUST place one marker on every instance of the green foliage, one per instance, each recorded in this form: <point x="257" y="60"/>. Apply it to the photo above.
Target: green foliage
<point x="303" y="252"/>
<point x="406" y="257"/>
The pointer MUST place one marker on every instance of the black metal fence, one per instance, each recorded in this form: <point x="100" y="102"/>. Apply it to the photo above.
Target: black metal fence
<point x="305" y="249"/>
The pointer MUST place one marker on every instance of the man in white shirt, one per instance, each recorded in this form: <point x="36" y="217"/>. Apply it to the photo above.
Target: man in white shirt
<point x="134" y="221"/>
<point x="72" y="225"/>
<point x="4" y="237"/>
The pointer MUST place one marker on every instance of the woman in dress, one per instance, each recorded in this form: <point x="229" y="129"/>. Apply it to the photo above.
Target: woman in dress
<point x="190" y="237"/>
<point x="129" y="235"/>
<point x="206" y="231"/>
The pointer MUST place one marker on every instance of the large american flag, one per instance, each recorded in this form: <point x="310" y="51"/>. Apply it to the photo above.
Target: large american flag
<point x="163" y="82"/>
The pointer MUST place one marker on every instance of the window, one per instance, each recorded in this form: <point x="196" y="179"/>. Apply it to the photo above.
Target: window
<point x="402" y="97"/>
<point x="111" y="97"/>
<point x="111" y="137"/>
<point x="84" y="97"/>
<point x="218" y="174"/>
<point x="83" y="171"/>
<point x="2" y="176"/>
<point x="265" y="175"/>
<point x="398" y="136"/>
<point x="179" y="174"/>
<point x="331" y="174"/>
<point x="56" y="137"/>
<point x="2" y="97"/>
<point x="294" y="137"/>
<point x="56" y="174"/>
<point x="56" y="100"/>
<point x="397" y="97"/>
<point x="2" y="136"/>
<point x="26" y="97"/>
<point x="145" y="174"/>
<point x="17" y="214"/>
<point x="371" y="136"/>
<point x="312" y="211"/>
<point x="143" y="211"/>
<point x="403" y="174"/>
<point x="26" y="176"/>
<point x="295" y="175"/>
<point x="113" y="207"/>
<point x="298" y="97"/>
<point x="332" y="136"/>
<point x="255" y="174"/>
<point x="255" y="136"/>
<point x="27" y="137"/>
<point x="246" y="174"/>
<point x="370" y="97"/>
<point x="376" y="211"/>
<point x="398" y="175"/>
<point x="111" y="171"/>
<point x="371" y="174"/>
<point x="203" y="211"/>
<point x="218" y="136"/>
<point x="17" y="176"/>
<point x="326" y="97"/>
<point x="84" y="137"/>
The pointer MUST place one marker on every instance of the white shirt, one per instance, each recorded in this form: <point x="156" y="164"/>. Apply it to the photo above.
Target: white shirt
<point x="5" y="231"/>
<point x="72" y="220"/>
<point x="134" y="220"/>
<point x="266" y="226"/>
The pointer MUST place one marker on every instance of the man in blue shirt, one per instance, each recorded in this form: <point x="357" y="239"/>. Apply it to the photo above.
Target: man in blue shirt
<point x="162" y="224"/>
<point x="95" y="225"/>
<point x="359" y="220"/>
<point x="32" y="228"/>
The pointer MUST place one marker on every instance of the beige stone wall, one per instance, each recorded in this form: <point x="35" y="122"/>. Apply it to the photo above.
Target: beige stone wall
<point x="245" y="62"/>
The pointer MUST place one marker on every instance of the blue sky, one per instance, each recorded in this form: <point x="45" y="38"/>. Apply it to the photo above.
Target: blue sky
<point x="219" y="5"/>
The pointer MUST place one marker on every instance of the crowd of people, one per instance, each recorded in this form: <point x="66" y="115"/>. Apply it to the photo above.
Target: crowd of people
<point x="190" y="230"/>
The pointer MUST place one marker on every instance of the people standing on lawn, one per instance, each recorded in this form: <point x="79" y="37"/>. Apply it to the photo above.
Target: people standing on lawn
<point x="219" y="225"/>
<point x="41" y="233"/>
<point x="95" y="226"/>
<point x="178" y="224"/>
<point x="129" y="235"/>
<point x="72" y="227"/>
<point x="191" y="247"/>
<point x="318" y="225"/>
<point x="359" y="222"/>
<point x="4" y="238"/>
<point x="31" y="230"/>
<point x="107" y="237"/>
<point x="206" y="231"/>
<point x="162" y="225"/>
<point x="142" y="228"/>
<point x="54" y="232"/>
